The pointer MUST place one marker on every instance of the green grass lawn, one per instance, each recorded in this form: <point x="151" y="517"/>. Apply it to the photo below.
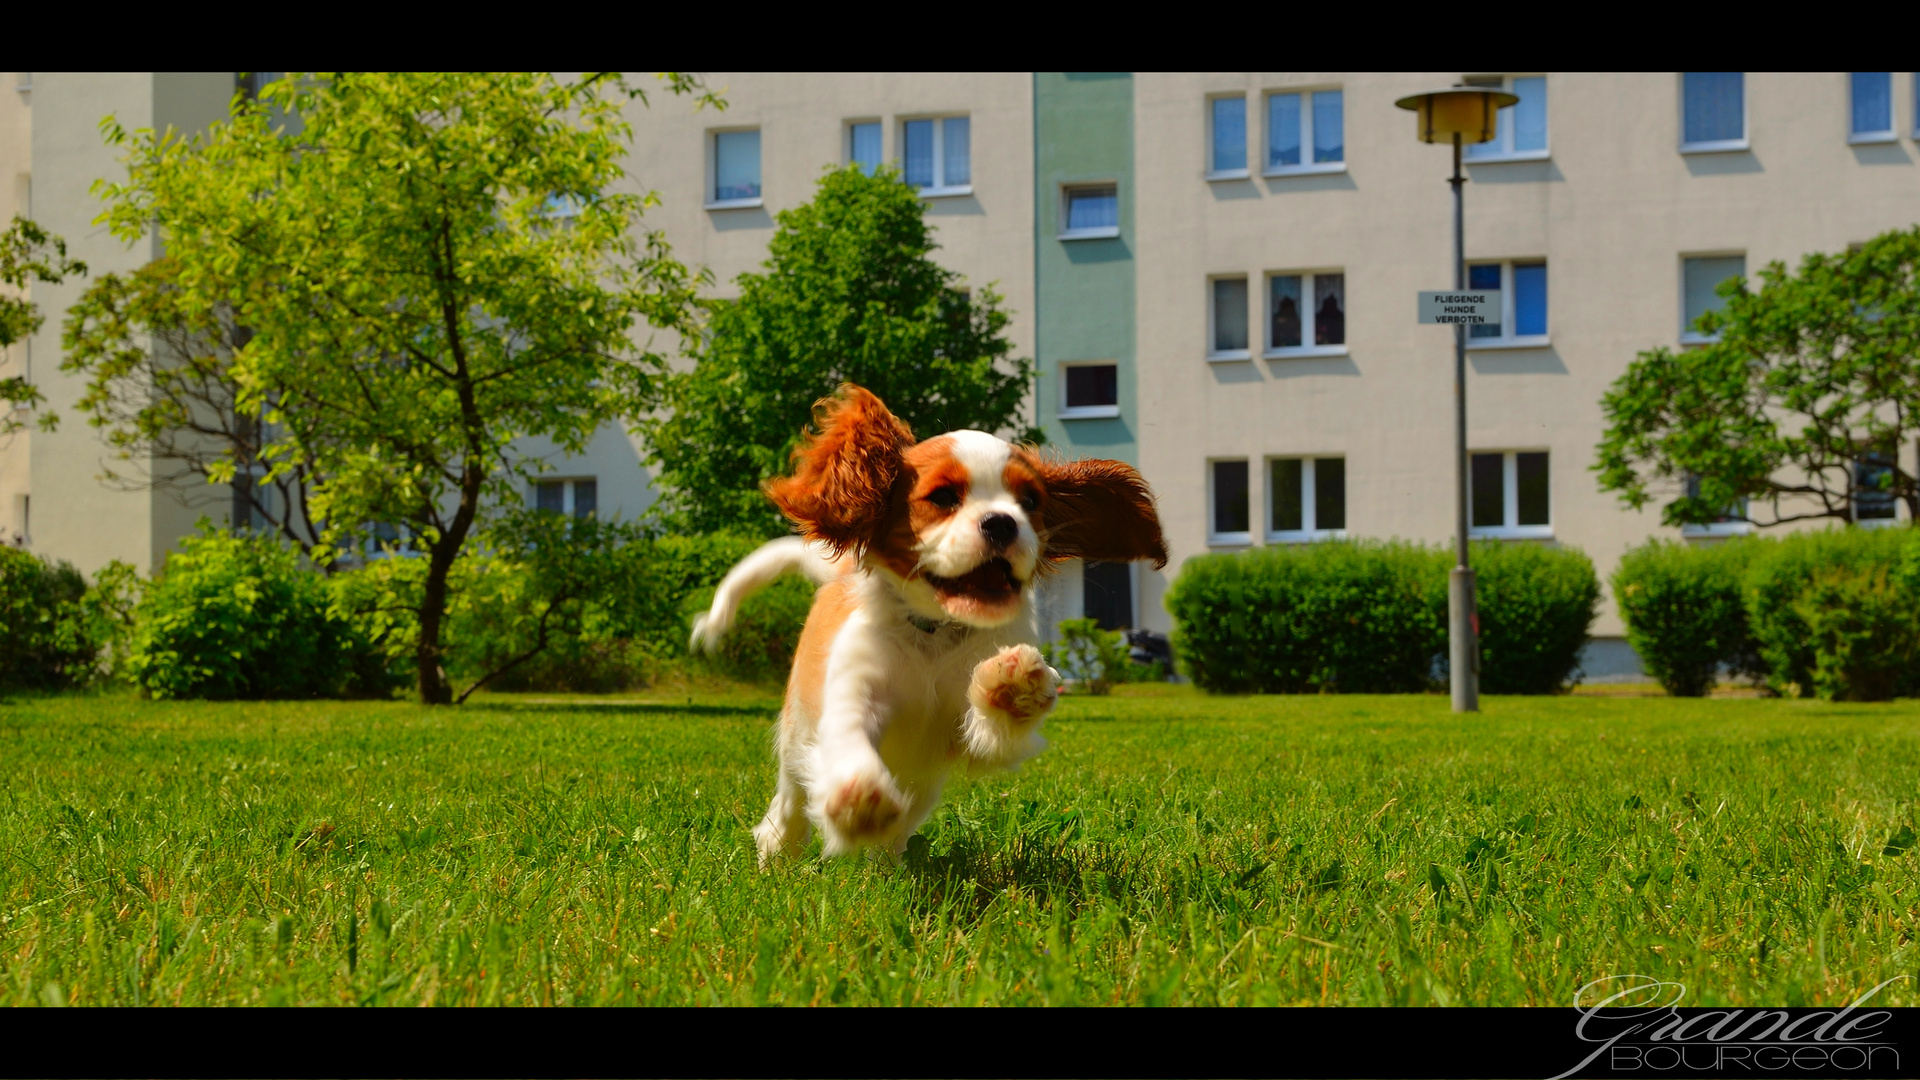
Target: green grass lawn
<point x="1170" y="847"/>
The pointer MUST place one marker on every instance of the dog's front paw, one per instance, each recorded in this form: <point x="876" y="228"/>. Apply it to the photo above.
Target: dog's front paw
<point x="1014" y="686"/>
<point x="1011" y="691"/>
<point x="862" y="809"/>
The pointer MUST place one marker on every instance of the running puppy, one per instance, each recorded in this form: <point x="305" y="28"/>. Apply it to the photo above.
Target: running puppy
<point x="919" y="652"/>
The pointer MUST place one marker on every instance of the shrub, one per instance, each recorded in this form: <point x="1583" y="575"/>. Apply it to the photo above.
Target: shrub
<point x="1092" y="657"/>
<point x="1537" y="604"/>
<point x="760" y="646"/>
<point x="1827" y="608"/>
<point x="1358" y="617"/>
<point x="1684" y="611"/>
<point x="39" y="599"/>
<point x="238" y="617"/>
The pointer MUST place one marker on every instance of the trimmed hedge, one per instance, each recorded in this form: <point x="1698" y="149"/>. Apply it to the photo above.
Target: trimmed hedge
<point x="1370" y="617"/>
<point x="1685" y="613"/>
<point x="1836" y="614"/>
<point x="239" y="617"/>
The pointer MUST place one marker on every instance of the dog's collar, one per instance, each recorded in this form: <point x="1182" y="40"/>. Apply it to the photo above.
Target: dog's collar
<point x="925" y="626"/>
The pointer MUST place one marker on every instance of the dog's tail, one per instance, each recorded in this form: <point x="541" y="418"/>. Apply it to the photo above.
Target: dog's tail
<point x="776" y="557"/>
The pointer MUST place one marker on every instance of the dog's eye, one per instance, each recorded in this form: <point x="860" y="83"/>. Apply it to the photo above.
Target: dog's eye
<point x="1029" y="502"/>
<point x="945" y="498"/>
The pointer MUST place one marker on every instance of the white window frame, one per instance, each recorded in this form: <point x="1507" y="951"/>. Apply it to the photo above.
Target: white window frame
<point x="1087" y="412"/>
<point x="713" y="170"/>
<point x="846" y="138"/>
<point x="1306" y="167"/>
<point x="566" y="491"/>
<point x="1307" y="534"/>
<point x="1870" y="138"/>
<point x="1246" y="151"/>
<point x="941" y="190"/>
<point x="1504" y="137"/>
<point x="1688" y="335"/>
<point x="1216" y="356"/>
<point x="1716" y="146"/>
<point x="1713" y="529"/>
<point x="1509" y="314"/>
<point x="1307" y="315"/>
<point x="1233" y="539"/>
<point x="1510" y="498"/>
<point x="1099" y="232"/>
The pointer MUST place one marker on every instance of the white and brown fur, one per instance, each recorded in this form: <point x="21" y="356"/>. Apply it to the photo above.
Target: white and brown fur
<point x="950" y="533"/>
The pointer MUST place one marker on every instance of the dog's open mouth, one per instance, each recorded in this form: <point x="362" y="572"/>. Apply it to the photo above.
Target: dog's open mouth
<point x="992" y="582"/>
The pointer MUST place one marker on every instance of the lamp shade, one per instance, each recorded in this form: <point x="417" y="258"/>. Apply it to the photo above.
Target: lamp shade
<point x="1471" y="112"/>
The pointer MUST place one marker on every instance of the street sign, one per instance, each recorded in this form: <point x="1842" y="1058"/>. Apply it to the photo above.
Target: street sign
<point x="1472" y="307"/>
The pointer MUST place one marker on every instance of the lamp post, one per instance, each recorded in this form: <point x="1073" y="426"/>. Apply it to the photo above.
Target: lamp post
<point x="1460" y="115"/>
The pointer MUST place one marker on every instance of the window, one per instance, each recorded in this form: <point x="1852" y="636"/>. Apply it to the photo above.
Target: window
<point x="1507" y="495"/>
<point x="1227" y="156"/>
<point x="254" y="501"/>
<point x="1227" y="319"/>
<point x="1873" y="500"/>
<point x="1306" y="314"/>
<point x="1089" y="391"/>
<point x="1713" y="111"/>
<point x="1305" y="133"/>
<point x="1231" y="522"/>
<point x="1521" y="129"/>
<point x="1093" y="213"/>
<point x="1872" y="107"/>
<point x="1308" y="498"/>
<point x="1731" y="523"/>
<point x="1523" y="306"/>
<point x="937" y="156"/>
<point x="736" y="169"/>
<point x="579" y="498"/>
<point x="863" y="145"/>
<point x="1701" y="277"/>
<point x="1107" y="594"/>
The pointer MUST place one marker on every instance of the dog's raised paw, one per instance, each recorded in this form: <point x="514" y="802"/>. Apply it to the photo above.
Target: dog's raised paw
<point x="861" y="808"/>
<point x="1014" y="686"/>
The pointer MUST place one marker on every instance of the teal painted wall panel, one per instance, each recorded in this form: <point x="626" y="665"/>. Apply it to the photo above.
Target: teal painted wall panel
<point x="1083" y="134"/>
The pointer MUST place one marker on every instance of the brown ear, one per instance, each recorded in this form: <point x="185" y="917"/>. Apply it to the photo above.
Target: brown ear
<point x="843" y="477"/>
<point x="1099" y="509"/>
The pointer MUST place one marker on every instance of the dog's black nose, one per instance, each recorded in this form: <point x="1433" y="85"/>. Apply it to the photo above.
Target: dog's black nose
<point x="999" y="529"/>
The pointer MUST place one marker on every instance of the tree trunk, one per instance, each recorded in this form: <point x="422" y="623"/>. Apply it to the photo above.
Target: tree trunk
<point x="433" y="684"/>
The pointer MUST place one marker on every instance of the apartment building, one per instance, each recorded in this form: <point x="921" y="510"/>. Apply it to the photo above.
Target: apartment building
<point x="1215" y="272"/>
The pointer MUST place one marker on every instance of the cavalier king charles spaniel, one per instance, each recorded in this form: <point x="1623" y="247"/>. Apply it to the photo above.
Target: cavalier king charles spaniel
<point x="918" y="654"/>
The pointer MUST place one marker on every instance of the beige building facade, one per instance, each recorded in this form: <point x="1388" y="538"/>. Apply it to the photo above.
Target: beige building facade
<point x="1216" y="273"/>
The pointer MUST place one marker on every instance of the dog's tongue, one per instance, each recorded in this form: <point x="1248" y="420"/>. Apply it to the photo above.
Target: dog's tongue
<point x="994" y="576"/>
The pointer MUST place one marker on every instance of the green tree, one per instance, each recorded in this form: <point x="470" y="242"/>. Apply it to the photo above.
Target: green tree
<point x="28" y="253"/>
<point x="850" y="294"/>
<point x="428" y="267"/>
<point x="1798" y="409"/>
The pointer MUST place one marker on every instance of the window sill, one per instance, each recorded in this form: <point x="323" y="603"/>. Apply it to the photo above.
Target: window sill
<point x="1876" y="523"/>
<point x="1302" y="352"/>
<point x="1720" y="146"/>
<point x="735" y="204"/>
<point x="1318" y="168"/>
<point x="1230" y="540"/>
<point x="1503" y="159"/>
<point x="1699" y="339"/>
<point x="1309" y="536"/>
<point x="1719" y="528"/>
<point x="1484" y="344"/>
<point x="1089" y="412"/>
<point x="1228" y="356"/>
<point x="953" y="192"/>
<point x="1104" y="232"/>
<point x="1228" y="174"/>
<point x="1511" y="532"/>
<point x="1871" y="138"/>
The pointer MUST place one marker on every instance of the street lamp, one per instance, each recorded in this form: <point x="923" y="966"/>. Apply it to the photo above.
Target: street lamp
<point x="1460" y="115"/>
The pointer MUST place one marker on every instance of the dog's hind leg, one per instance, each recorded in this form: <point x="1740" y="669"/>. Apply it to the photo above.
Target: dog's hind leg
<point x="784" y="830"/>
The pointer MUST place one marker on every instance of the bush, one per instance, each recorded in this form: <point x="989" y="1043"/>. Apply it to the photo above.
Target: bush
<point x="39" y="600"/>
<point x="239" y="617"/>
<point x="1095" y="658"/>
<point x="1834" y="612"/>
<point x="1536" y="604"/>
<point x="1356" y="617"/>
<point x="1370" y="617"/>
<point x="1685" y="614"/>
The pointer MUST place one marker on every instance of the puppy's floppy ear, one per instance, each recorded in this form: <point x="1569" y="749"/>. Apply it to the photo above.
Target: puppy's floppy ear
<point x="1099" y="509"/>
<point x="843" y="477"/>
